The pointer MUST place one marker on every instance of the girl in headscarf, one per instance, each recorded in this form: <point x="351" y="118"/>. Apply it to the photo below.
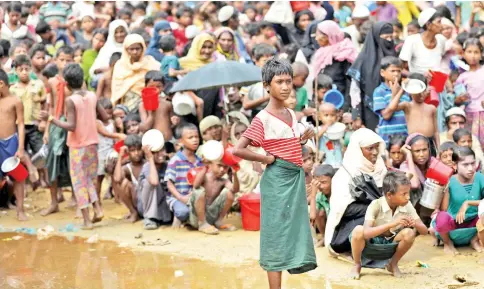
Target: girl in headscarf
<point x="89" y="56"/>
<point x="161" y="28"/>
<point x="226" y="47"/>
<point x="365" y="71"/>
<point x="118" y="29"/>
<point x="129" y="72"/>
<point x="302" y="21"/>
<point x="200" y="53"/>
<point x="334" y="56"/>
<point x="308" y="43"/>
<point x="363" y="156"/>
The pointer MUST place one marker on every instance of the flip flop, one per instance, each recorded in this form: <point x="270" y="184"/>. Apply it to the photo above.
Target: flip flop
<point x="208" y="229"/>
<point x="150" y="225"/>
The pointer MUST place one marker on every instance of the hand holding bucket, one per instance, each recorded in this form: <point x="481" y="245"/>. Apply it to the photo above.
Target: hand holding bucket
<point x="14" y="168"/>
<point x="438" y="80"/>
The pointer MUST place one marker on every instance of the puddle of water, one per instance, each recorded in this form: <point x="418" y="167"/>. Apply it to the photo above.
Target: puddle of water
<point x="61" y="263"/>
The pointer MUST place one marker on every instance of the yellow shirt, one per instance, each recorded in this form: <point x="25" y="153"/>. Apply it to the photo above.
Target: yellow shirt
<point x="382" y="214"/>
<point x="32" y="96"/>
<point x="406" y="10"/>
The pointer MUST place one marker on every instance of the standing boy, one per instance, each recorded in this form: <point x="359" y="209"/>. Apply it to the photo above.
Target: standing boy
<point x="12" y="136"/>
<point x="176" y="175"/>
<point x="390" y="219"/>
<point x="286" y="242"/>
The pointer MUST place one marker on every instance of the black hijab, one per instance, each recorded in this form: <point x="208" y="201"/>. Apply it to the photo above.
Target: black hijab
<point x="366" y="68"/>
<point x="309" y="44"/>
<point x="298" y="33"/>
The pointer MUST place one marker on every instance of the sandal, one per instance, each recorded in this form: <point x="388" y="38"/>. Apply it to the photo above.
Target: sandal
<point x="150" y="225"/>
<point x="208" y="229"/>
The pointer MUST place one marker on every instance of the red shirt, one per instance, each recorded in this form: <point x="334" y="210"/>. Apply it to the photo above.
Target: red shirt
<point x="181" y="39"/>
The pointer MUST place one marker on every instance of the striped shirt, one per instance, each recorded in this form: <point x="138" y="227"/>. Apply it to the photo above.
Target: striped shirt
<point x="177" y="170"/>
<point x="54" y="11"/>
<point x="276" y="137"/>
<point x="397" y="124"/>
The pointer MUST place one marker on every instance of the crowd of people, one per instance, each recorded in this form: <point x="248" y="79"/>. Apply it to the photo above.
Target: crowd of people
<point x="71" y="85"/>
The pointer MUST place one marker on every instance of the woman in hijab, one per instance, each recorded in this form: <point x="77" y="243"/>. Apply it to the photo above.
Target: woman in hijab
<point x="308" y="43"/>
<point x="362" y="157"/>
<point x="302" y="20"/>
<point x="365" y="72"/>
<point x="334" y="56"/>
<point x="161" y="28"/>
<point x="129" y="72"/>
<point x="226" y="48"/>
<point x="118" y="30"/>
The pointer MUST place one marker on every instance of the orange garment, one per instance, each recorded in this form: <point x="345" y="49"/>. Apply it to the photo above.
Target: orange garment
<point x="60" y="92"/>
<point x="85" y="133"/>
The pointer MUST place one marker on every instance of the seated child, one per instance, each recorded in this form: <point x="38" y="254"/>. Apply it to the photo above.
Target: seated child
<point x="459" y="207"/>
<point x="170" y="66"/>
<point x="389" y="220"/>
<point x="463" y="137"/>
<point x="125" y="178"/>
<point x="332" y="149"/>
<point x="211" y="198"/>
<point x="445" y="153"/>
<point x="320" y="195"/>
<point x="104" y="86"/>
<point x="131" y="124"/>
<point x="119" y="113"/>
<point x="211" y="128"/>
<point x="395" y="144"/>
<point x="176" y="174"/>
<point x="308" y="165"/>
<point x="386" y="98"/>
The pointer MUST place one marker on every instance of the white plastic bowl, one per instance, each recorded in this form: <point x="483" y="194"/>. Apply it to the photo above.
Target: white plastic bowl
<point x="154" y="139"/>
<point x="336" y="131"/>
<point x="183" y="104"/>
<point x="213" y="150"/>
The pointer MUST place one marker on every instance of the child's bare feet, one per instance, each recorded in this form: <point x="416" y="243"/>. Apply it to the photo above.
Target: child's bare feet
<point x="355" y="272"/>
<point x="50" y="210"/>
<point x="133" y="218"/>
<point x="108" y="196"/>
<point x="72" y="203"/>
<point x="393" y="268"/>
<point x="208" y="229"/>
<point x="60" y="197"/>
<point x="98" y="216"/>
<point x="435" y="240"/>
<point x="476" y="245"/>
<point x="176" y="223"/>
<point x="225" y="227"/>
<point x="21" y="216"/>
<point x="87" y="226"/>
<point x="450" y="249"/>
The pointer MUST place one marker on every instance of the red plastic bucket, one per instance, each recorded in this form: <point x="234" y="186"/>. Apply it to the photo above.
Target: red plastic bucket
<point x="229" y="158"/>
<point x="250" y="209"/>
<point x="192" y="174"/>
<point x="438" y="80"/>
<point x="439" y="172"/>
<point x="13" y="168"/>
<point x="299" y="6"/>
<point x="118" y="145"/>
<point x="150" y="98"/>
<point x="433" y="97"/>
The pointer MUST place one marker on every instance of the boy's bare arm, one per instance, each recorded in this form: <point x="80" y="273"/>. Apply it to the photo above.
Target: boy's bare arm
<point x="393" y="106"/>
<point x="251" y="104"/>
<point x="421" y="228"/>
<point x="102" y="131"/>
<point x="242" y="151"/>
<point x="153" y="176"/>
<point x="200" y="178"/>
<point x="147" y="119"/>
<point x="235" y="186"/>
<point x="436" y="128"/>
<point x="103" y="115"/>
<point x="19" y="111"/>
<point x="100" y="88"/>
<point x="118" y="169"/>
<point x="370" y="231"/>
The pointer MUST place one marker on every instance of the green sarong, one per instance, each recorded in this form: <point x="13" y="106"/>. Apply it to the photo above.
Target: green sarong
<point x="57" y="162"/>
<point x="285" y="238"/>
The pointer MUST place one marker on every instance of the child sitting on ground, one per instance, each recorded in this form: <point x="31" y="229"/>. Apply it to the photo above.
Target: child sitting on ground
<point x="332" y="149"/>
<point x="395" y="144"/>
<point x="390" y="220"/>
<point x="131" y="124"/>
<point x="170" y="66"/>
<point x="308" y="165"/>
<point x="463" y="137"/>
<point x="445" y="153"/>
<point x="386" y="98"/>
<point x="320" y="195"/>
<point x="104" y="86"/>
<point x="211" y="198"/>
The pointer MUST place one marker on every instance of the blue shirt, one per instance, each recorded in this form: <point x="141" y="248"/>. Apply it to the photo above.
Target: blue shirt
<point x="397" y="124"/>
<point x="177" y="170"/>
<point x="333" y="151"/>
<point x="169" y="61"/>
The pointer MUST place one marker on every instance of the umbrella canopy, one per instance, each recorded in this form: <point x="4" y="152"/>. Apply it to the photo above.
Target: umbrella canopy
<point x="219" y="74"/>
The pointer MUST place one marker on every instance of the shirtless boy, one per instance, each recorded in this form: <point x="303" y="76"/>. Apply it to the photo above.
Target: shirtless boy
<point x="104" y="85"/>
<point x="421" y="117"/>
<point x="12" y="136"/>
<point x="211" y="198"/>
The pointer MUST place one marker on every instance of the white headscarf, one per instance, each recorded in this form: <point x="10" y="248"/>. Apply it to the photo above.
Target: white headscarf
<point x="355" y="163"/>
<point x="110" y="47"/>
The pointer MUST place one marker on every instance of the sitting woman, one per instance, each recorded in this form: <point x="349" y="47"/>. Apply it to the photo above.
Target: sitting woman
<point x="129" y="72"/>
<point x="363" y="165"/>
<point x="456" y="223"/>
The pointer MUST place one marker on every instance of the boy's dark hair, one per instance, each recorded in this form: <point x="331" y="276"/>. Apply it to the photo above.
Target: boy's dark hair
<point x="67" y="50"/>
<point x="78" y="46"/>
<point x="448" y="145"/>
<point x="291" y="51"/>
<point x="460" y="132"/>
<point x="160" y="15"/>
<point x="443" y="11"/>
<point x="5" y="44"/>
<point x="388" y="61"/>
<point x="74" y="75"/>
<point x="250" y="7"/>
<point x="114" y="57"/>
<point x="473" y="42"/>
<point x="462" y="37"/>
<point x="184" y="127"/>
<point x="263" y="49"/>
<point x="4" y="77"/>
<point x="275" y="67"/>
<point x="133" y="140"/>
<point x="14" y="7"/>
<point x="419" y="76"/>
<point x="50" y="70"/>
<point x="148" y="21"/>
<point x="182" y="10"/>
<point x="459" y="153"/>
<point x="264" y="24"/>
<point x="2" y="55"/>
<point x="417" y="138"/>
<point x="300" y="68"/>
<point x="131" y="117"/>
<point x="252" y="29"/>
<point x="38" y="47"/>
<point x="396" y="139"/>
<point x="140" y="6"/>
<point x="393" y="180"/>
<point x="398" y="24"/>
<point x="21" y="60"/>
<point x="304" y="151"/>
<point x="324" y="81"/>
<point x="154" y="75"/>
<point x="103" y="31"/>
<point x="25" y="12"/>
<point x="124" y="11"/>
<point x="414" y="23"/>
<point x="105" y="103"/>
<point x="42" y="27"/>
<point x="324" y="170"/>
<point x="167" y="43"/>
